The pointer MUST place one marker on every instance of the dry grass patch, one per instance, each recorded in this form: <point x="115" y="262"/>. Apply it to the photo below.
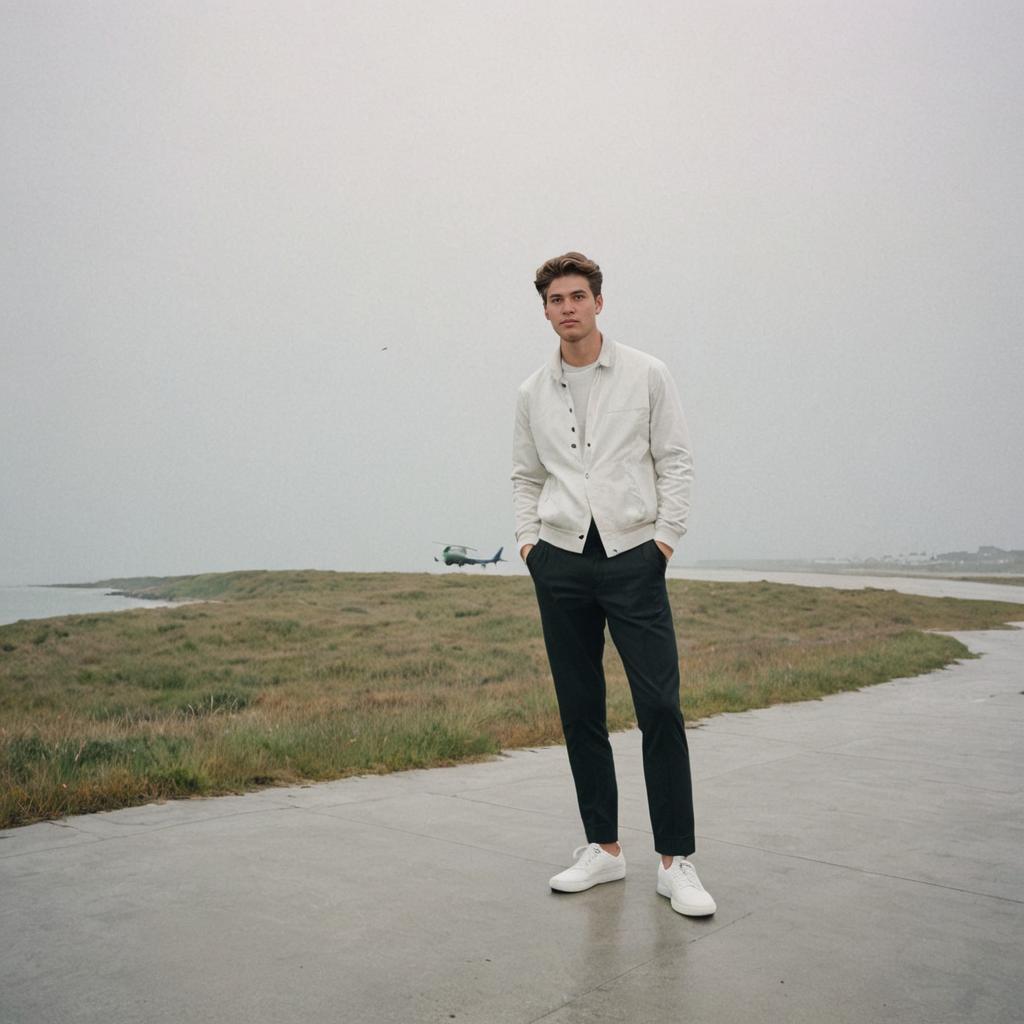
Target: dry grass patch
<point x="285" y="677"/>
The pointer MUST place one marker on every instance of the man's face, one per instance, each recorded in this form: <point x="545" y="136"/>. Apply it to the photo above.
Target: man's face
<point x="571" y="308"/>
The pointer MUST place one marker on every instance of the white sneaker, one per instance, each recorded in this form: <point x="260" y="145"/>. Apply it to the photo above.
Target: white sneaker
<point x="593" y="866"/>
<point x="682" y="886"/>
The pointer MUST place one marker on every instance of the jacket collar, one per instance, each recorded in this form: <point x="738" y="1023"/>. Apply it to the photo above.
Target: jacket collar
<point x="606" y="358"/>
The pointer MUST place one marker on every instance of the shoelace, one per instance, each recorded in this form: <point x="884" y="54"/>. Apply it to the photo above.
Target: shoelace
<point x="689" y="872"/>
<point x="592" y="850"/>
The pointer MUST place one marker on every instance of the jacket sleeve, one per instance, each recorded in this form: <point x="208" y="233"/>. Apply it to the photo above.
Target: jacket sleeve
<point x="528" y="475"/>
<point x="673" y="458"/>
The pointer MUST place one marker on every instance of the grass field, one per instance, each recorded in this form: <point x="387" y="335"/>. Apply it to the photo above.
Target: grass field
<point x="289" y="676"/>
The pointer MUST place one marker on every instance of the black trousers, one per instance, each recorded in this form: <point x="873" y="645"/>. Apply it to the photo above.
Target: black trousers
<point x="577" y="594"/>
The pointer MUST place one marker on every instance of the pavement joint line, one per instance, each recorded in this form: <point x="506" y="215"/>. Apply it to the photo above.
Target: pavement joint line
<point x="744" y="767"/>
<point x="390" y="796"/>
<point x="798" y="752"/>
<point x="456" y="842"/>
<point x="861" y="757"/>
<point x="352" y="803"/>
<point x="511" y="807"/>
<point x="143" y="830"/>
<point x="864" y="871"/>
<point x="940" y="782"/>
<point x="977" y="789"/>
<point x="766" y="739"/>
<point x="491" y="785"/>
<point x="472" y="846"/>
<point x="51" y="849"/>
<point x="956" y="708"/>
<point x="547" y="814"/>
<point x="903" y="760"/>
<point x="635" y="829"/>
<point x="837" y="751"/>
<point x="499" y="851"/>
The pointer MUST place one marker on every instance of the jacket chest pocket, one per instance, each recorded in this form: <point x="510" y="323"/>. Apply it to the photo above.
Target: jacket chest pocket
<point x="623" y="427"/>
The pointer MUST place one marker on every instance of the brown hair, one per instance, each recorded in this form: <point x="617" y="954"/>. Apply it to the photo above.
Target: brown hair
<point x="568" y="263"/>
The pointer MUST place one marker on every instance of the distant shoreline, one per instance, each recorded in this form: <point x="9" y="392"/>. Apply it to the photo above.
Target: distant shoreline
<point x="35" y="602"/>
<point x="153" y="588"/>
<point x="135" y="595"/>
<point x="1011" y="577"/>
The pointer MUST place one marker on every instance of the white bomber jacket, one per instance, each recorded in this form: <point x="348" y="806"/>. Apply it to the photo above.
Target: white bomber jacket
<point x="632" y="477"/>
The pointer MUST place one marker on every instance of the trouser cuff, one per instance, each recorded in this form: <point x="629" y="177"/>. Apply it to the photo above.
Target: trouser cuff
<point x="675" y="846"/>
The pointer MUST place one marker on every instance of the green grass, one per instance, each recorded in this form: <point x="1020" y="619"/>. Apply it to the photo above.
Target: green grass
<point x="288" y="676"/>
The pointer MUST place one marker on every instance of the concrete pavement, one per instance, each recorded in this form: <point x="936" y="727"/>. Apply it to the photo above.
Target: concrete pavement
<point x="866" y="853"/>
<point x="926" y="586"/>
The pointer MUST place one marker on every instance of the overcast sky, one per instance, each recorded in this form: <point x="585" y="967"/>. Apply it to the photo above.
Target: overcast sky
<point x="267" y="270"/>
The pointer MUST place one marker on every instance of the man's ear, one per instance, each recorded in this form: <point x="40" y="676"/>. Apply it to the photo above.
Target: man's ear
<point x="599" y="304"/>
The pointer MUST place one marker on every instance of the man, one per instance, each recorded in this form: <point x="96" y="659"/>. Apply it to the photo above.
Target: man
<point x="601" y="480"/>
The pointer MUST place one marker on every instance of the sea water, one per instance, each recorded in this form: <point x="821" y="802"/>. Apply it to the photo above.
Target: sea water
<point x="44" y="602"/>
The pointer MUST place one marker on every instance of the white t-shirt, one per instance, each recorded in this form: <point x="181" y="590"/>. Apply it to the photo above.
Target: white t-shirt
<point x="581" y="380"/>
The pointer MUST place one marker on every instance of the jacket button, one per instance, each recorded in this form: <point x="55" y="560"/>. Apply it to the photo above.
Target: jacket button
<point x="582" y="537"/>
<point x="563" y="385"/>
<point x="572" y="446"/>
<point x="573" y="429"/>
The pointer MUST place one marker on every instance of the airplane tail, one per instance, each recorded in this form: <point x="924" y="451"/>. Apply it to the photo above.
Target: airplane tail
<point x="497" y="558"/>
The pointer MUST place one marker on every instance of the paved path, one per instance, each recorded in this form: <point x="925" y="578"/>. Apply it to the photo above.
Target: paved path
<point x="935" y="586"/>
<point x="866" y="853"/>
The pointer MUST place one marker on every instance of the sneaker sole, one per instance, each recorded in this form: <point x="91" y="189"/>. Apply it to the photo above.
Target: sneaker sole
<point x="681" y="908"/>
<point x="583" y="886"/>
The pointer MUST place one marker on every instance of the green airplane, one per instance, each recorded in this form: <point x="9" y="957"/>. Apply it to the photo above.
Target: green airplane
<point x="455" y="554"/>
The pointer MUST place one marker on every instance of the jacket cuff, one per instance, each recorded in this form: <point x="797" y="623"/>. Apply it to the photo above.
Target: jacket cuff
<point x="669" y="537"/>
<point x="526" y="537"/>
